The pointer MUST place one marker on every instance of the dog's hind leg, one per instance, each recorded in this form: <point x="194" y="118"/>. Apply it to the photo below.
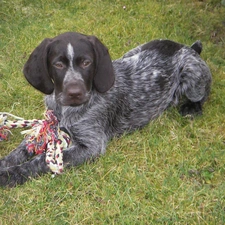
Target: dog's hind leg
<point x="191" y="108"/>
<point x="195" y="82"/>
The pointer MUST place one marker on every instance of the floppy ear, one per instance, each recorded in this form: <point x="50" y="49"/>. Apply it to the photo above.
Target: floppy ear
<point x="104" y="77"/>
<point x="35" y="69"/>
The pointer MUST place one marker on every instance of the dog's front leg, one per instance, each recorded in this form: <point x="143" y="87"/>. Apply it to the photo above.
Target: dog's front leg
<point x="73" y="156"/>
<point x="19" y="174"/>
<point x="76" y="156"/>
<point x="16" y="157"/>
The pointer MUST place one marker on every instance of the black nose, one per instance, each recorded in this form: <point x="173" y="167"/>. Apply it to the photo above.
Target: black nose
<point x="75" y="93"/>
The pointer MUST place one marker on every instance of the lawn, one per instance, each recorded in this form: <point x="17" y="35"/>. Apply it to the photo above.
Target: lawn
<point x="170" y="172"/>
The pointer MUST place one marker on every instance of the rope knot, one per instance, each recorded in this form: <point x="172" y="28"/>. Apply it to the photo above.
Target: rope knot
<point x="44" y="136"/>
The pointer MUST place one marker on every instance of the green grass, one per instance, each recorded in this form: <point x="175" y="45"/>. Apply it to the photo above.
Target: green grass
<point x="170" y="172"/>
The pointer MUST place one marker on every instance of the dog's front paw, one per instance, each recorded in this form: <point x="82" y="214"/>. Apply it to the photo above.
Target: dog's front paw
<point x="10" y="177"/>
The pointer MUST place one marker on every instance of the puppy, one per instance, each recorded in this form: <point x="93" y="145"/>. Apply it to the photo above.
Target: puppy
<point x="96" y="99"/>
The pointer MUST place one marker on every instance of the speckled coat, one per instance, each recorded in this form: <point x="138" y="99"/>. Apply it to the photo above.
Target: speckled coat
<point x="146" y="81"/>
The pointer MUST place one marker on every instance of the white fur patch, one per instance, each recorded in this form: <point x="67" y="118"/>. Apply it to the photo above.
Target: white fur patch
<point x="70" y="53"/>
<point x="71" y="74"/>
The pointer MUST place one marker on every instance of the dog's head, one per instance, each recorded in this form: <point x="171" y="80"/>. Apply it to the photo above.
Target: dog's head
<point x="71" y="65"/>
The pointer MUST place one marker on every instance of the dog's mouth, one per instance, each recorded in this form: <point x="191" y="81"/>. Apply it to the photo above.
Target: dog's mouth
<point x="73" y="94"/>
<point x="73" y="101"/>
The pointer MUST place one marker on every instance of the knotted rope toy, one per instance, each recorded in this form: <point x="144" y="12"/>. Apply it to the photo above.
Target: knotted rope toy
<point x="44" y="136"/>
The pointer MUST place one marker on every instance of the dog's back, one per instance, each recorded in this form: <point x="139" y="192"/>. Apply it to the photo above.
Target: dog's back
<point x="149" y="80"/>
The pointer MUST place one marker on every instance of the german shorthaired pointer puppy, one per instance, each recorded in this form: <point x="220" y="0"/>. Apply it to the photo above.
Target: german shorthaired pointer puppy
<point x="96" y="99"/>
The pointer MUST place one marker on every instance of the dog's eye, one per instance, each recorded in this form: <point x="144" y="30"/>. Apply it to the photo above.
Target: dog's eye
<point x="59" y="65"/>
<point x="85" y="63"/>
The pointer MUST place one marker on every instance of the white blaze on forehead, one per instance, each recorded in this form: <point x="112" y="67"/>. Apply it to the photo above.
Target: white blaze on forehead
<point x="70" y="52"/>
<point x="71" y="74"/>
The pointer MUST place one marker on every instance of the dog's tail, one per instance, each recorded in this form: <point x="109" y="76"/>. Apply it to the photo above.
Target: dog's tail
<point x="197" y="46"/>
